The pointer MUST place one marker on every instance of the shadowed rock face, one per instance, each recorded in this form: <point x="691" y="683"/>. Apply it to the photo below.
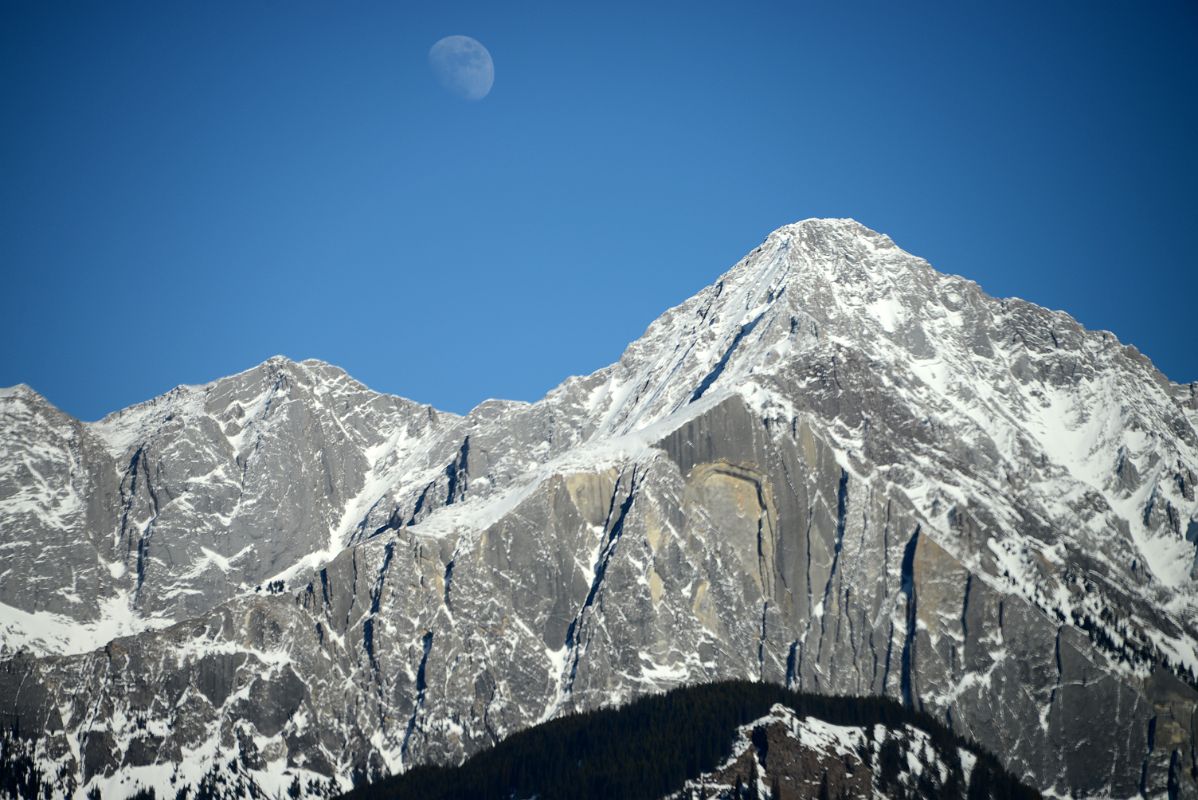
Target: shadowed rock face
<point x="835" y="468"/>
<point x="796" y="757"/>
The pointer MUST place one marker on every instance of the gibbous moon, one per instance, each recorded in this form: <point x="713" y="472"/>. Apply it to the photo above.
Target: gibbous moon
<point x="463" y="66"/>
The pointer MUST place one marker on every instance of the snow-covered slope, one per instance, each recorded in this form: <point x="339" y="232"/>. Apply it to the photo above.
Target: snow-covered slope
<point x="835" y="468"/>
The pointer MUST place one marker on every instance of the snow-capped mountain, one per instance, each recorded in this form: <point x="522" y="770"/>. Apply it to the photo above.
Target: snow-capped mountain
<point x="834" y="468"/>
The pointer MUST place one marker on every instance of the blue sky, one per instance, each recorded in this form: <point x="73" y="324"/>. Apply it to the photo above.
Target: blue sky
<point x="188" y="189"/>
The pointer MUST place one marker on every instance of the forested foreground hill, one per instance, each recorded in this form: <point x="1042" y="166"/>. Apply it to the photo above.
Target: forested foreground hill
<point x="732" y="739"/>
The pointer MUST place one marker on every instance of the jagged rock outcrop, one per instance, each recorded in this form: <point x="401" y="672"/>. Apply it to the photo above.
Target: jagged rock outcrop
<point x="788" y="756"/>
<point x="834" y="468"/>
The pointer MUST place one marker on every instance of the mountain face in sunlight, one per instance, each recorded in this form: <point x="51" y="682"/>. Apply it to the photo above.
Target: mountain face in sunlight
<point x="835" y="469"/>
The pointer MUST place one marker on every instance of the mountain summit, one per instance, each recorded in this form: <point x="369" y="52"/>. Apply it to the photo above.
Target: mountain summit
<point x="835" y="468"/>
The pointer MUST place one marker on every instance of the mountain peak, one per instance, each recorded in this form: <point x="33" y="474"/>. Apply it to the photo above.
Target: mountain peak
<point x="838" y="257"/>
<point x="24" y="394"/>
<point x="821" y="232"/>
<point x="18" y="390"/>
<point x="825" y="224"/>
<point x="834" y="468"/>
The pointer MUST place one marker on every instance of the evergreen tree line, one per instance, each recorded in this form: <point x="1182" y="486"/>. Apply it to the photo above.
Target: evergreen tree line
<point x="651" y="747"/>
<point x="19" y="773"/>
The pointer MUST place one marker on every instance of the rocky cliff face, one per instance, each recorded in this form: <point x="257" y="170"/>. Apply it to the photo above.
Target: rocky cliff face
<point x="835" y="468"/>
<point x="163" y="511"/>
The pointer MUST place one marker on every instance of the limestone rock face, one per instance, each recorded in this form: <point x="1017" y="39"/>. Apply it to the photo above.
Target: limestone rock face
<point x="160" y="512"/>
<point x="835" y="468"/>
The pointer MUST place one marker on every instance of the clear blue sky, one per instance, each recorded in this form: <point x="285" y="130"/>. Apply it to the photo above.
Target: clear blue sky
<point x="189" y="188"/>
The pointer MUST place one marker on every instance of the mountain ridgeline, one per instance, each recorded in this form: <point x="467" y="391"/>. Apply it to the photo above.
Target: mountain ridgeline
<point x="834" y="469"/>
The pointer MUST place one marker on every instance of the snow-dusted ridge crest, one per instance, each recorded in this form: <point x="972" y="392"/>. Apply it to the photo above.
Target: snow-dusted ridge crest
<point x="811" y="755"/>
<point x="834" y="467"/>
